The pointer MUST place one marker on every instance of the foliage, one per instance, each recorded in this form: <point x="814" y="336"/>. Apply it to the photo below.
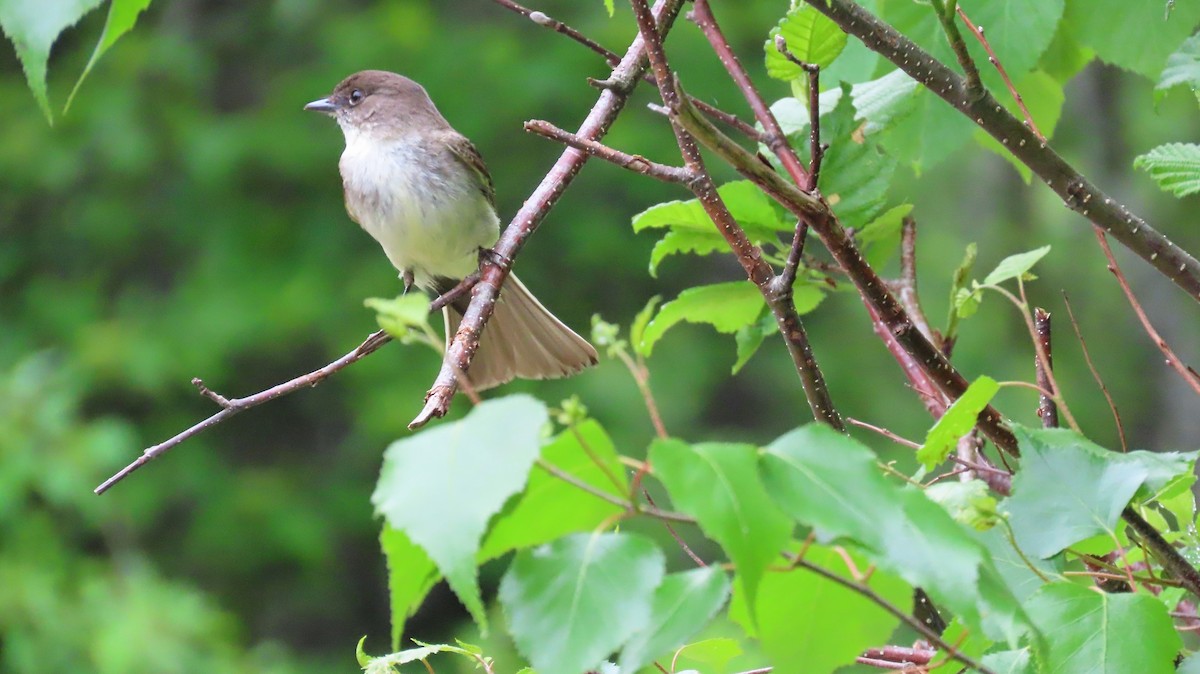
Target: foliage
<point x="175" y="222"/>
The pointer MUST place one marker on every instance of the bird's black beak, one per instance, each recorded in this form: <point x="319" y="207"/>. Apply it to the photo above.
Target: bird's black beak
<point x="322" y="105"/>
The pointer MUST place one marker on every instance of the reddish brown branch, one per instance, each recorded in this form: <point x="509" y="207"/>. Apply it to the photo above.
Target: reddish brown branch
<point x="610" y="103"/>
<point x="1188" y="374"/>
<point x="983" y="109"/>
<point x="995" y="60"/>
<point x="778" y="297"/>
<point x="1047" y="409"/>
<point x="633" y="162"/>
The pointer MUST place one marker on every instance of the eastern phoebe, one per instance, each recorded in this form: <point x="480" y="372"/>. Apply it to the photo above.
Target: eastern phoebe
<point x="422" y="190"/>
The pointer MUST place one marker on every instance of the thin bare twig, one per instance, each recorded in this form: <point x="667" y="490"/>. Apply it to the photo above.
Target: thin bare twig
<point x="628" y="506"/>
<point x="633" y="162"/>
<point x="232" y="406"/>
<point x="921" y="628"/>
<point x="612" y="58"/>
<point x="1087" y="357"/>
<point x="995" y="60"/>
<point x="1188" y="374"/>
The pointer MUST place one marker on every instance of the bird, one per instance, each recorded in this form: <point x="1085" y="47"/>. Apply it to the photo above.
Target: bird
<point x="423" y="192"/>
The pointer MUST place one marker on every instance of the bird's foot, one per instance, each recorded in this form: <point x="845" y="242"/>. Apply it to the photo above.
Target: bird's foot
<point x="407" y="277"/>
<point x="489" y="255"/>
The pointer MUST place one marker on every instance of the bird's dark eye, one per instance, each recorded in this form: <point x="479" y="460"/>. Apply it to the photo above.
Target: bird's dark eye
<point x="356" y="96"/>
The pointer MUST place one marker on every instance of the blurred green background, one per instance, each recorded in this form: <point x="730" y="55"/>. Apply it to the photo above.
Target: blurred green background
<point x="185" y="219"/>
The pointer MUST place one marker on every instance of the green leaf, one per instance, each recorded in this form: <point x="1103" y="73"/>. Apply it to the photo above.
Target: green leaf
<point x="811" y="37"/>
<point x="1069" y="489"/>
<point x="1183" y="68"/>
<point x="679" y="241"/>
<point x="609" y="7"/>
<point x="753" y="210"/>
<point x="1148" y="36"/>
<point x="638" y="327"/>
<point x="1015" y="266"/>
<point x="572" y="602"/>
<point x="401" y="315"/>
<point x="1090" y="632"/>
<point x="1018" y="30"/>
<point x="792" y="113"/>
<point x="1065" y="57"/>
<point x="750" y="337"/>
<point x="33" y="27"/>
<point x="725" y="306"/>
<point x="441" y="486"/>
<point x="927" y="136"/>
<point x="411" y="575"/>
<point x="1010" y="662"/>
<point x="958" y="420"/>
<point x="683" y="604"/>
<point x="969" y="502"/>
<point x="813" y="640"/>
<point x="1174" y="166"/>
<point x="122" y="15"/>
<point x="883" y="101"/>
<point x="831" y="482"/>
<point x="1043" y="96"/>
<point x="855" y="174"/>
<point x="1018" y="574"/>
<point x="713" y="654"/>
<point x="360" y="654"/>
<point x="718" y="484"/>
<point x="549" y="507"/>
<point x="879" y="239"/>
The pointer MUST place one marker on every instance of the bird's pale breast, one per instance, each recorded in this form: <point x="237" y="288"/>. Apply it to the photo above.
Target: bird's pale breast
<point x="426" y="212"/>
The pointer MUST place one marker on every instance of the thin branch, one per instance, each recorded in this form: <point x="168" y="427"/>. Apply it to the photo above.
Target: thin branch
<point x="773" y="136"/>
<point x="1087" y="357"/>
<point x="232" y="406"/>
<point x="959" y="47"/>
<point x="749" y="255"/>
<point x="1047" y="410"/>
<point x="1188" y="374"/>
<point x="641" y="377"/>
<point x="612" y="58"/>
<point x="1075" y="190"/>
<point x="995" y="60"/>
<point x="492" y="275"/>
<point x="921" y="628"/>
<point x="628" y="506"/>
<point x="541" y="19"/>
<point x="633" y="162"/>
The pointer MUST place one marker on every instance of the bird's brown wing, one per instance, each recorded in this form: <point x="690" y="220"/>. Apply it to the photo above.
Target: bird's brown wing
<point x="465" y="152"/>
